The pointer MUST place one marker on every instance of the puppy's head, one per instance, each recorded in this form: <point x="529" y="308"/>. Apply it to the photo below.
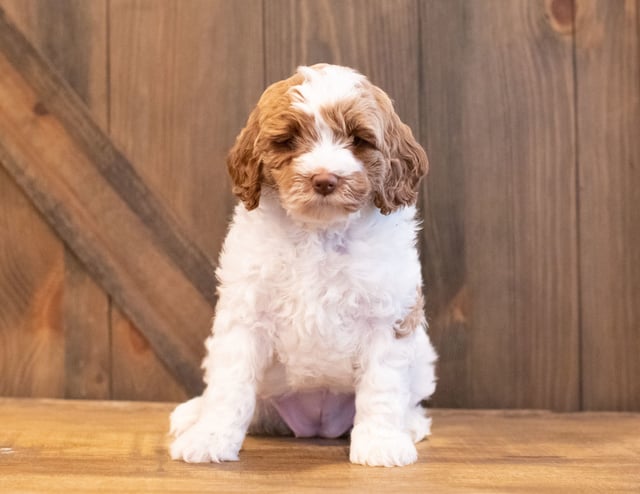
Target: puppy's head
<point x="328" y="142"/>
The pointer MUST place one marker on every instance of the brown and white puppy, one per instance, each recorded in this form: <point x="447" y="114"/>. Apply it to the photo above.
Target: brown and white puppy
<point x="319" y="327"/>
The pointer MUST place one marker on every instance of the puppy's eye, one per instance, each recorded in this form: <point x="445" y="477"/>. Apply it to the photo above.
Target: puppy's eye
<point x="286" y="141"/>
<point x="360" y="142"/>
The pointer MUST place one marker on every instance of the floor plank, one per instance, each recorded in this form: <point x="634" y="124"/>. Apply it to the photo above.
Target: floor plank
<point x="75" y="446"/>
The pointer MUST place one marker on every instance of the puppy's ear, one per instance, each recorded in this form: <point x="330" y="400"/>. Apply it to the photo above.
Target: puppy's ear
<point x="407" y="162"/>
<point x="243" y="163"/>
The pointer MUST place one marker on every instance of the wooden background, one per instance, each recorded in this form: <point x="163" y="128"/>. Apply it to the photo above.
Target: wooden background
<point x="529" y="111"/>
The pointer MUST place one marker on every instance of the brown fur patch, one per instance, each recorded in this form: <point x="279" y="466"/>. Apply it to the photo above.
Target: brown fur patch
<point x="414" y="319"/>
<point x="270" y="132"/>
<point x="407" y="163"/>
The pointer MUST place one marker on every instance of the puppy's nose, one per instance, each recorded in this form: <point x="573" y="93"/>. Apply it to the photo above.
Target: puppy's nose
<point x="324" y="183"/>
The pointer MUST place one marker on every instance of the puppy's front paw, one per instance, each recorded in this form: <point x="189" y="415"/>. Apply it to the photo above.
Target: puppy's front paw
<point x="184" y="416"/>
<point x="202" y="443"/>
<point x="381" y="447"/>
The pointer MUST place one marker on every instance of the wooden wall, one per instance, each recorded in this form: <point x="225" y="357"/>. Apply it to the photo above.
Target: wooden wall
<point x="529" y="111"/>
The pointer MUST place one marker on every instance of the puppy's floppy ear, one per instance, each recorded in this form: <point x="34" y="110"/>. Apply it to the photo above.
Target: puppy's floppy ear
<point x="243" y="163"/>
<point x="407" y="161"/>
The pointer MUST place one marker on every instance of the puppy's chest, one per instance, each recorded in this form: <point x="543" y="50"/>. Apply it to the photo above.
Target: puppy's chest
<point x="319" y="288"/>
<point x="325" y="300"/>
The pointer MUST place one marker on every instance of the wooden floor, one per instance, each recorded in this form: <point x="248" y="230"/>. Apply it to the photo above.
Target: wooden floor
<point x="54" y="446"/>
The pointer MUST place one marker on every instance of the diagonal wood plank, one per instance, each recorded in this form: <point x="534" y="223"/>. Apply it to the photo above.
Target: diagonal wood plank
<point x="56" y="97"/>
<point x="32" y="287"/>
<point x="97" y="203"/>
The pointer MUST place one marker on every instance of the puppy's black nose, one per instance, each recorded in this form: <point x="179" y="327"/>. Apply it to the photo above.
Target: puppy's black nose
<point x="324" y="183"/>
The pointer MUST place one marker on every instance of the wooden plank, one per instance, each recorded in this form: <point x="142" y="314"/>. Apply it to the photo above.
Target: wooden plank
<point x="443" y="199"/>
<point x="110" y="162"/>
<point x="31" y="269"/>
<point x="87" y="333"/>
<point x="52" y="446"/>
<point x="181" y="88"/>
<point x="498" y="118"/>
<point x="71" y="35"/>
<point x="178" y="112"/>
<point x="100" y="206"/>
<point x="138" y="373"/>
<point x="78" y="52"/>
<point x="608" y="95"/>
<point x="377" y="37"/>
<point x="31" y="288"/>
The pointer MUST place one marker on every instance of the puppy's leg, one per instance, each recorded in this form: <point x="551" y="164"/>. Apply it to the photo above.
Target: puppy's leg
<point x="423" y="384"/>
<point x="383" y="395"/>
<point x="235" y="362"/>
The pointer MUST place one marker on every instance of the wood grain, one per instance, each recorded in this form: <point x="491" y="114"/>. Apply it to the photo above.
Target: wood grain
<point x="608" y="95"/>
<point x="137" y="372"/>
<point x="531" y="281"/>
<point x="109" y="160"/>
<point x="179" y="112"/>
<point x="87" y="334"/>
<point x="501" y="204"/>
<point x="52" y="446"/>
<point x="176" y="116"/>
<point x="31" y="288"/>
<point x="444" y="201"/>
<point x="73" y="38"/>
<point x="56" y="152"/>
<point x="32" y="351"/>
<point x="378" y="38"/>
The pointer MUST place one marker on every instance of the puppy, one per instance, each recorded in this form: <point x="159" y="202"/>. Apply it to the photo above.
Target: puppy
<point x="319" y="327"/>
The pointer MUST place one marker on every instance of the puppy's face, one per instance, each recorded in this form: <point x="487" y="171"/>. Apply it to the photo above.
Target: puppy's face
<point x="329" y="142"/>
